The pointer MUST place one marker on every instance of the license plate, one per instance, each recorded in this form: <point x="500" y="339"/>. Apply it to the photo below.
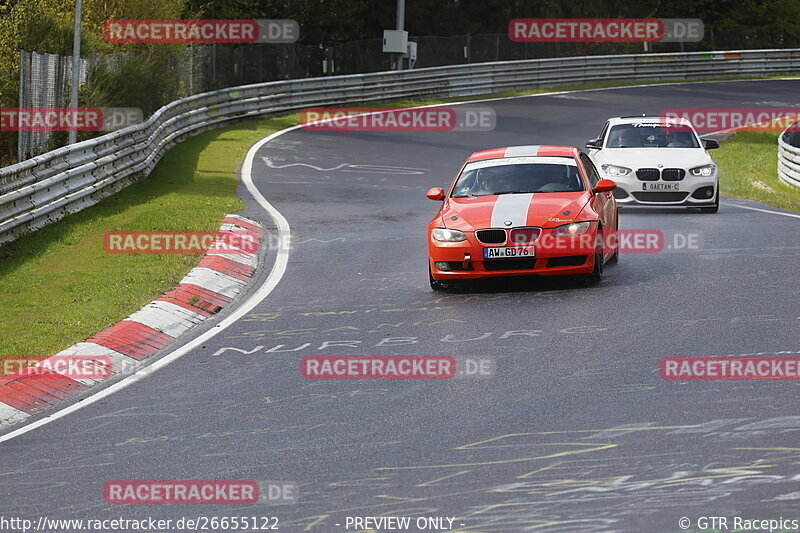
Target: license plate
<point x="662" y="186"/>
<point x="508" y="252"/>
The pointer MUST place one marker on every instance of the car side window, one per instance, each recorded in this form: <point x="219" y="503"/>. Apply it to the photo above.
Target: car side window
<point x="591" y="171"/>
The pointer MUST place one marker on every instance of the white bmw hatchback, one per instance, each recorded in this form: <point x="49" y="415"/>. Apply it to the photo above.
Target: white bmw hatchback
<point x="657" y="161"/>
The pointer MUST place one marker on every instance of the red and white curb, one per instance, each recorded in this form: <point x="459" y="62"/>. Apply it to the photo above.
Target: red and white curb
<point x="206" y="289"/>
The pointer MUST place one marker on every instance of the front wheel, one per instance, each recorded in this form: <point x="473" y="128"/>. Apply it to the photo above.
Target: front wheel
<point x="597" y="273"/>
<point x="713" y="208"/>
<point x="614" y="259"/>
<point x="435" y="283"/>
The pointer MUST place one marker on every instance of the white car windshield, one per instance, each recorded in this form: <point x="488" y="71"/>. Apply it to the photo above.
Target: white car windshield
<point x="518" y="178"/>
<point x="651" y="135"/>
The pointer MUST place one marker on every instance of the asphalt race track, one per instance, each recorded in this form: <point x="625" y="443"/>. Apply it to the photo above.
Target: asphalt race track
<point x="575" y="432"/>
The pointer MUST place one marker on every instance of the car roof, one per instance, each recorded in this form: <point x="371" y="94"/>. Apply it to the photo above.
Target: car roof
<point x="647" y="118"/>
<point x="534" y="150"/>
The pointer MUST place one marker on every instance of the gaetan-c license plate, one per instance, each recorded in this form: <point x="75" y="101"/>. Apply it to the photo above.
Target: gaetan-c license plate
<point x="662" y="186"/>
<point x="508" y="252"/>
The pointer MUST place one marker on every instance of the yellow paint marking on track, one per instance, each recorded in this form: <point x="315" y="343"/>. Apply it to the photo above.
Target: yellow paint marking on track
<point x="594" y="448"/>
<point x="15" y="472"/>
<point x="493" y="506"/>
<point x="548" y="467"/>
<point x="433" y="481"/>
<point x="596" y="460"/>
<point x="776" y="449"/>
<point x="399" y="498"/>
<point x="721" y="473"/>
<point x="644" y="428"/>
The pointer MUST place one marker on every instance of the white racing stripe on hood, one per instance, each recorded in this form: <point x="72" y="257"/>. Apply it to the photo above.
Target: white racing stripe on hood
<point x="513" y="207"/>
<point x="516" y="151"/>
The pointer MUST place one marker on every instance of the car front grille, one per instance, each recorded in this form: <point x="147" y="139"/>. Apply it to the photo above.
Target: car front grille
<point x="653" y="174"/>
<point x="510" y="264"/>
<point x="491" y="236"/>
<point x="655" y="196"/>
<point x="524" y="235"/>
<point x="673" y="174"/>
<point x="648" y="174"/>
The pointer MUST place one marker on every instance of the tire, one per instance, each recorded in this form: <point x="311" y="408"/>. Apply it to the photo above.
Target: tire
<point x="614" y="259"/>
<point x="597" y="274"/>
<point x="436" y="285"/>
<point x="713" y="208"/>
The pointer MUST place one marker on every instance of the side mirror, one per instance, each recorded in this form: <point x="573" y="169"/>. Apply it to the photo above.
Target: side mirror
<point x="436" y="193"/>
<point x="710" y="144"/>
<point x="594" y="144"/>
<point x="604" y="186"/>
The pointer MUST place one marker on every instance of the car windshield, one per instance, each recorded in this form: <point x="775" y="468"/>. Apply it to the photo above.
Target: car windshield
<point x="518" y="178"/>
<point x="651" y="135"/>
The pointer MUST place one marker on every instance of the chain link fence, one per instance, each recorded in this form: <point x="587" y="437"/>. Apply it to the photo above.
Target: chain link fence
<point x="44" y="81"/>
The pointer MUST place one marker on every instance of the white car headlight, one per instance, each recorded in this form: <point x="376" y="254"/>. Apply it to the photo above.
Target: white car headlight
<point x="705" y="170"/>
<point x="571" y="230"/>
<point x="615" y="171"/>
<point x="448" y="235"/>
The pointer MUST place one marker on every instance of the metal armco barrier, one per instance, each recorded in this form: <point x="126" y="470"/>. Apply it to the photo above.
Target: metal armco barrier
<point x="789" y="159"/>
<point x="43" y="189"/>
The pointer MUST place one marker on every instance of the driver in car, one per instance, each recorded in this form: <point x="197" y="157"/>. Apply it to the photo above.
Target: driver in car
<point x="627" y="138"/>
<point x="555" y="178"/>
<point x="674" y="139"/>
<point x="493" y="181"/>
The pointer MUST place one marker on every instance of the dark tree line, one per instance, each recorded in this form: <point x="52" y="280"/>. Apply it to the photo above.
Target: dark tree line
<point x="346" y="30"/>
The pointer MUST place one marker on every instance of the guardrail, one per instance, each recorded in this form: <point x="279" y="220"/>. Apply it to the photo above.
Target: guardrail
<point x="43" y="189"/>
<point x="789" y="156"/>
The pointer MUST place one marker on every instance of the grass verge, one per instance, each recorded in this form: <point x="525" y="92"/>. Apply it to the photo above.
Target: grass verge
<point x="58" y="286"/>
<point x="748" y="168"/>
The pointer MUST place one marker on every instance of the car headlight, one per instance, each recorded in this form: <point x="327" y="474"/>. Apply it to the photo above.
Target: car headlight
<point x="705" y="170"/>
<point x="448" y="235"/>
<point x="615" y="170"/>
<point x="571" y="230"/>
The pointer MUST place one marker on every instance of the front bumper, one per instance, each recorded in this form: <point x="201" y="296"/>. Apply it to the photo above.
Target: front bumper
<point x="566" y="256"/>
<point x="692" y="191"/>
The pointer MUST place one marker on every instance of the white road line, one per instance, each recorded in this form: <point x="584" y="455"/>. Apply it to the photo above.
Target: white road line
<point x="282" y="259"/>
<point x="792" y="215"/>
<point x="275" y="275"/>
